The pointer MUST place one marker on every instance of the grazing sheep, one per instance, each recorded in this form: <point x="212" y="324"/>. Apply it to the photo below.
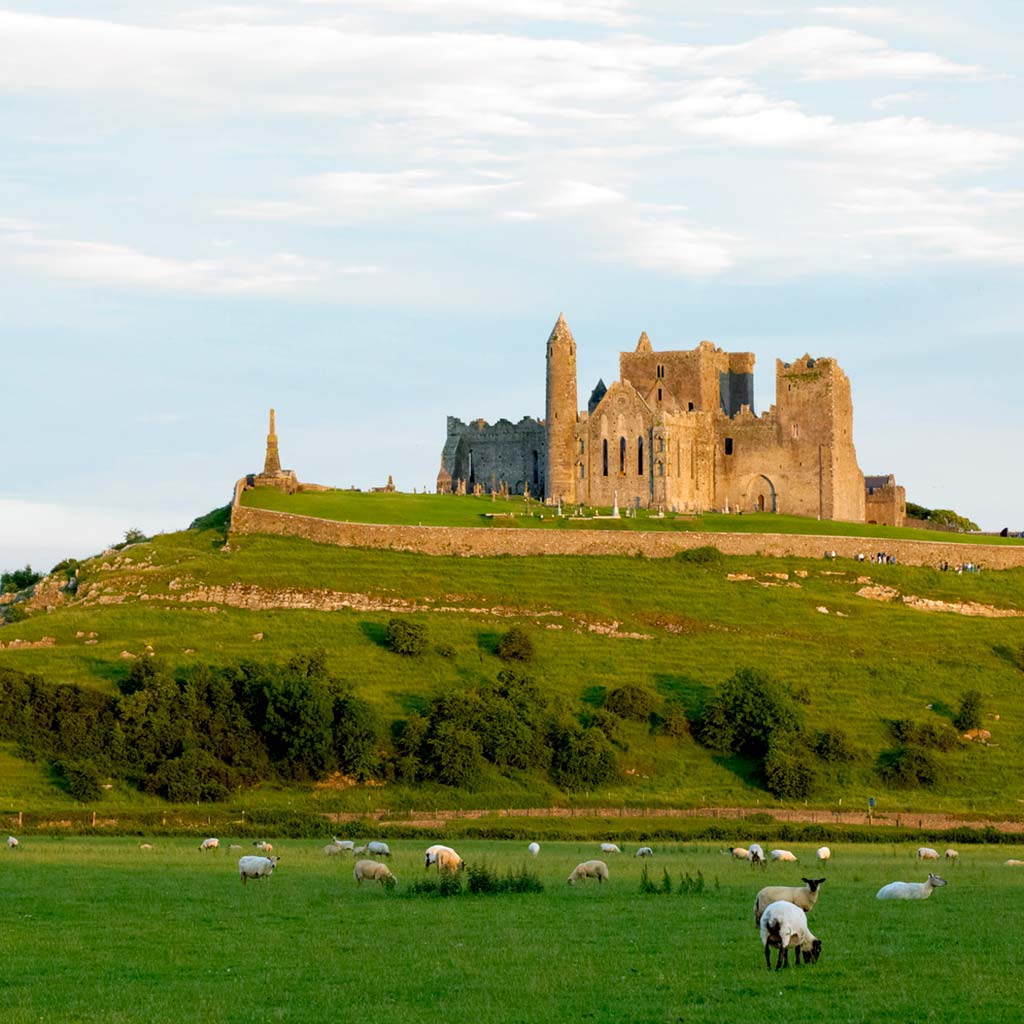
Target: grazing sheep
<point x="783" y="925"/>
<point x="1014" y="863"/>
<point x="823" y="853"/>
<point x="952" y="855"/>
<point x="379" y="848"/>
<point x="927" y="853"/>
<point x="12" y="843"/>
<point x="644" y="851"/>
<point x="804" y="897"/>
<point x="738" y="852"/>
<point x="589" y="869"/>
<point x="256" y="867"/>
<point x="756" y="854"/>
<point x="145" y="846"/>
<point x="784" y="855"/>
<point x="374" y="871"/>
<point x="209" y="844"/>
<point x="444" y="857"/>
<point x="262" y="844"/>
<point x="534" y="849"/>
<point x="342" y="844"/>
<point x="610" y="848"/>
<point x="234" y="846"/>
<point x="332" y="850"/>
<point x="358" y="849"/>
<point x="910" y="890"/>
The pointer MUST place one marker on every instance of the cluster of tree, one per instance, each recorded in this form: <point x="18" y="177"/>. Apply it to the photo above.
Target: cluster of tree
<point x="18" y="579"/>
<point x="197" y="736"/>
<point x="943" y="517"/>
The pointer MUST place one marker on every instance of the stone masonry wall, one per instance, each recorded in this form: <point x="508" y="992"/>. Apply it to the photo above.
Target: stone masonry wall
<point x="484" y="541"/>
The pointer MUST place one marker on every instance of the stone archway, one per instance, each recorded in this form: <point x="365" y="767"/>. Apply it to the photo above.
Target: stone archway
<point x="760" y="495"/>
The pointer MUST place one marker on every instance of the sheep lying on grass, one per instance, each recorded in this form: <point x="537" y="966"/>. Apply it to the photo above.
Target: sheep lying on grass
<point x="256" y="867"/>
<point x="804" y="897"/>
<point x="784" y="924"/>
<point x="342" y="844"/>
<point x="589" y="869"/>
<point x="783" y="855"/>
<point x="374" y="871"/>
<point x="910" y="890"/>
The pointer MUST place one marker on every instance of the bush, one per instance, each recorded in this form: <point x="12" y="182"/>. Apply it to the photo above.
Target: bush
<point x="788" y="771"/>
<point x="82" y="780"/>
<point x="18" y="579"/>
<point x="833" y="746"/>
<point x="707" y="556"/>
<point x="583" y="759"/>
<point x="515" y="645"/>
<point x="405" y="637"/>
<point x="675" y="723"/>
<point x="909" y="767"/>
<point x="969" y="715"/>
<point x="632" y="702"/>
<point x="927" y="735"/>
<point x="14" y="612"/>
<point x="744" y="714"/>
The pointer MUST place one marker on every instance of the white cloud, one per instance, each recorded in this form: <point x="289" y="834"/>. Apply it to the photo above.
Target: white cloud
<point x="895" y="99"/>
<point x="673" y="247"/>
<point x="861" y="13"/>
<point x="571" y="195"/>
<point x="598" y="12"/>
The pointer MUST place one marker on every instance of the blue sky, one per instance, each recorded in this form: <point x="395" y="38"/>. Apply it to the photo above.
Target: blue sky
<point x="370" y="214"/>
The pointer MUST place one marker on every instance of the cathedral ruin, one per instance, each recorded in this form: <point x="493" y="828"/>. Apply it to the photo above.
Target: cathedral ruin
<point x="678" y="431"/>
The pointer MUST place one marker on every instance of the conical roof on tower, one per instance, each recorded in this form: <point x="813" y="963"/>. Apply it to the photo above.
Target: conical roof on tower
<point x="561" y="332"/>
<point x="644" y="344"/>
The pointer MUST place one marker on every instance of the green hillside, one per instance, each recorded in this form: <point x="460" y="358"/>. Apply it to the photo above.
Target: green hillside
<point x="677" y="628"/>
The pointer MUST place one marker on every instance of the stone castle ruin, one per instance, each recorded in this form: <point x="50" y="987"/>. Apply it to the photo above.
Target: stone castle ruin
<point x="678" y="431"/>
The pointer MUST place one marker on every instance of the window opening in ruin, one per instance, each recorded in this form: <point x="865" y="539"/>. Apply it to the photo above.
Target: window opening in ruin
<point x="728" y="446"/>
<point x="689" y="406"/>
<point x="536" y="467"/>
<point x="661" y="444"/>
<point x="604" y="445"/>
<point x="622" y="455"/>
<point x="659" y="394"/>
<point x="581" y="446"/>
<point x="796" y="430"/>
<point x="472" y="468"/>
<point x="661" y="468"/>
<point x="582" y="474"/>
<point x="639" y="456"/>
<point x="661" y="372"/>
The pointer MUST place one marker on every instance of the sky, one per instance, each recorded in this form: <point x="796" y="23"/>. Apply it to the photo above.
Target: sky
<point x="368" y="214"/>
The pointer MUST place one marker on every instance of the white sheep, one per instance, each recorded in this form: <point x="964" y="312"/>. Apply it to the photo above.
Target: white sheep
<point x="209" y="844"/>
<point x="342" y="844"/>
<point x="12" y="843"/>
<point x="379" y="848"/>
<point x="534" y="849"/>
<point x="738" y="852"/>
<point x="644" y="851"/>
<point x="927" y="853"/>
<point x="589" y="869"/>
<point x="332" y="850"/>
<point x="910" y="890"/>
<point x="234" y="846"/>
<point x="145" y="846"/>
<point x="823" y="853"/>
<point x="783" y="925"/>
<point x="263" y="845"/>
<point x="358" y="849"/>
<point x="444" y="857"/>
<point x="610" y="848"/>
<point x="756" y="855"/>
<point x="1014" y="863"/>
<point x="783" y="855"/>
<point x="953" y="855"/>
<point x="256" y="867"/>
<point x="803" y="896"/>
<point x="374" y="871"/>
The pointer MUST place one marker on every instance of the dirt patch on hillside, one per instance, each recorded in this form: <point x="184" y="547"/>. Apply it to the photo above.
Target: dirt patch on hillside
<point x="926" y="604"/>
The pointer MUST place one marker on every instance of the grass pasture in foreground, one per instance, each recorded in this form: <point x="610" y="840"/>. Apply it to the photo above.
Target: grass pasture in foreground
<point x="515" y="512"/>
<point x="97" y="930"/>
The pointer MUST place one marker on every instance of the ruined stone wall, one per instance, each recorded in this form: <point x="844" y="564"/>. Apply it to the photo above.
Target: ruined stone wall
<point x="482" y="453"/>
<point x="487" y="542"/>
<point x="622" y="416"/>
<point x="886" y="505"/>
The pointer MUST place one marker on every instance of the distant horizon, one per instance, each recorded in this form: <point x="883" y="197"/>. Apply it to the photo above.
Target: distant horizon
<point x="369" y="216"/>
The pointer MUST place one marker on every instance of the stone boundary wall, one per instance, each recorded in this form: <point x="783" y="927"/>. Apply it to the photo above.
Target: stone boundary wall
<point x="475" y="541"/>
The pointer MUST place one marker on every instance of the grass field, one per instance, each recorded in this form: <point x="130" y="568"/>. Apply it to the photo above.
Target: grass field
<point x="455" y="510"/>
<point x="97" y="930"/>
<point x="857" y="664"/>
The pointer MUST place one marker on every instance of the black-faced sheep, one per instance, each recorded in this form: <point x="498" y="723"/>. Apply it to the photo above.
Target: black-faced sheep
<point x="804" y="896"/>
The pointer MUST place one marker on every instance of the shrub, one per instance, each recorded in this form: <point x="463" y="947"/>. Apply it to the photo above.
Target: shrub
<point x="632" y="702"/>
<point x="908" y="767"/>
<point x="675" y="723"/>
<point x="14" y="613"/>
<point x="18" y="579"/>
<point x="456" y="756"/>
<point x="707" y="556"/>
<point x="583" y="759"/>
<point x="928" y="735"/>
<point x="405" y="637"/>
<point x="744" y="714"/>
<point x="833" y="746"/>
<point x="515" y="645"/>
<point x="969" y="715"/>
<point x="82" y="780"/>
<point x="788" y="771"/>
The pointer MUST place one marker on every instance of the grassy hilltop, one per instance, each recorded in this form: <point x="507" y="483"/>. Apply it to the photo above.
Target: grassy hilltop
<point x="674" y="627"/>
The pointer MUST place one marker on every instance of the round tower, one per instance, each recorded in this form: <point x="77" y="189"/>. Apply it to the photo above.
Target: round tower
<point x="560" y="414"/>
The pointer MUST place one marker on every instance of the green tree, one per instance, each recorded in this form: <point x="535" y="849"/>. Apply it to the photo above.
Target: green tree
<point x="515" y="645"/>
<point x="404" y="636"/>
<point x="969" y="716"/>
<point x="744" y="714"/>
<point x="18" y="579"/>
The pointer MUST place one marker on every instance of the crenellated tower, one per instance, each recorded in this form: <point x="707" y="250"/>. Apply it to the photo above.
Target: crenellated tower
<point x="561" y="413"/>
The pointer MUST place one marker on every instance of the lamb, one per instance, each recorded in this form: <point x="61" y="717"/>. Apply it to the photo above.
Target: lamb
<point x="644" y="851"/>
<point x="783" y="925"/>
<point x="756" y="854"/>
<point x="610" y="848"/>
<point x="783" y="855"/>
<point x="262" y="844"/>
<point x="534" y="849"/>
<point x="589" y="869"/>
<point x="374" y="871"/>
<point x="444" y="857"/>
<point x="952" y="855"/>
<point x="381" y="849"/>
<point x="927" y="853"/>
<point x="12" y="843"/>
<point x="256" y="867"/>
<point x="910" y="890"/>
<point x="804" y="897"/>
<point x="823" y="853"/>
<point x="209" y="844"/>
